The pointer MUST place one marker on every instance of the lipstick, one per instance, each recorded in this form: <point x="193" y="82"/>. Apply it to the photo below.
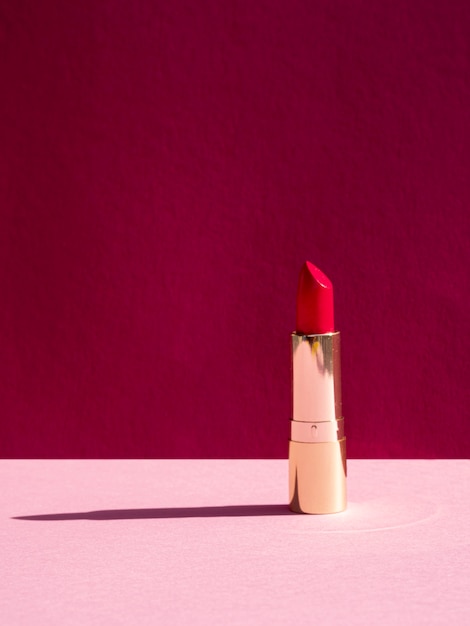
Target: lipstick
<point x="317" y="446"/>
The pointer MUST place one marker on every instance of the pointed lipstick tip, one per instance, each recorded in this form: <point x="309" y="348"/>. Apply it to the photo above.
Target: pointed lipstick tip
<point x="318" y="276"/>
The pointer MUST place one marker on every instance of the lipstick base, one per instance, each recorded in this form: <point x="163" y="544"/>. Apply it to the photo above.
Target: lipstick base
<point x="317" y="477"/>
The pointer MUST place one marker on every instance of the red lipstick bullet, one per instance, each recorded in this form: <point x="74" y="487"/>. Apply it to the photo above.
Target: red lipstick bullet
<point x="315" y="310"/>
<point x="317" y="447"/>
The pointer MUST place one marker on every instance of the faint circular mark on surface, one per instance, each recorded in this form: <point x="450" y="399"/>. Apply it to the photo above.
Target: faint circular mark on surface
<point x="371" y="516"/>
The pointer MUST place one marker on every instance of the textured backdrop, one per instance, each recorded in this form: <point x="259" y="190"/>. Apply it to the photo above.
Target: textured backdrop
<point x="165" y="169"/>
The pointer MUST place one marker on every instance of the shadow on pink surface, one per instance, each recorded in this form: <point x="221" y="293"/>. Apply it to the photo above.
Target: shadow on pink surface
<point x="390" y="512"/>
<point x="250" y="510"/>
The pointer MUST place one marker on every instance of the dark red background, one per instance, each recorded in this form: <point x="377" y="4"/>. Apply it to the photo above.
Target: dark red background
<point x="166" y="167"/>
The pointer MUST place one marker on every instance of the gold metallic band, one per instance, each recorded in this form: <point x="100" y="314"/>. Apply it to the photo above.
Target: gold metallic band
<point x="317" y="432"/>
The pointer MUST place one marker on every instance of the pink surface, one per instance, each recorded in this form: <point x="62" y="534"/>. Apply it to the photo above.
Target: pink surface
<point x="166" y="168"/>
<point x="178" y="542"/>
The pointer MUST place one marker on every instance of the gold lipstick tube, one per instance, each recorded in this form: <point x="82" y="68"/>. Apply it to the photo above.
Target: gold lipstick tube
<point x="317" y="446"/>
